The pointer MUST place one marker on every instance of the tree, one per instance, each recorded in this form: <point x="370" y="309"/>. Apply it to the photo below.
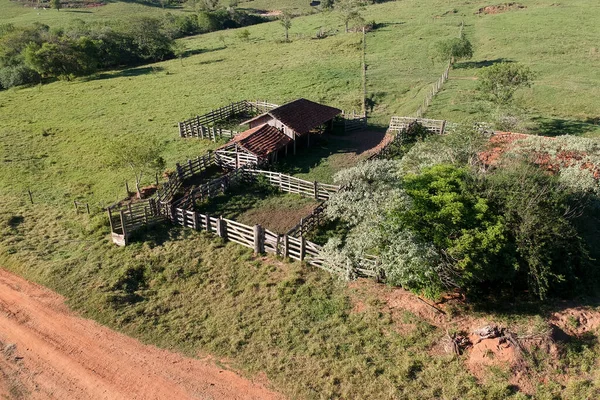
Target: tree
<point x="499" y="82"/>
<point x="349" y="11"/>
<point x="142" y="157"/>
<point x="56" y="4"/>
<point x="327" y="4"/>
<point x="179" y="50"/>
<point x="285" y="19"/>
<point x="455" y="49"/>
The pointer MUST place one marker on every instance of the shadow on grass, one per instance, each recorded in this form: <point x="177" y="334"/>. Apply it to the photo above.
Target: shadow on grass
<point x="78" y="11"/>
<point x="149" y="3"/>
<point x="480" y="64"/>
<point x="307" y="158"/>
<point x="130" y="72"/>
<point x="157" y="234"/>
<point x="195" y="52"/>
<point x="557" y="127"/>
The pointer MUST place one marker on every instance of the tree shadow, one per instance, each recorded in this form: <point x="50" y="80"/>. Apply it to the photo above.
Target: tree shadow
<point x="557" y="127"/>
<point x="194" y="52"/>
<point x="78" y="11"/>
<point x="480" y="64"/>
<point x="130" y="72"/>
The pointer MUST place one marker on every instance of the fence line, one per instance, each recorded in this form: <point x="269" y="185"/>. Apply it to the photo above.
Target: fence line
<point x="264" y="241"/>
<point x="200" y="125"/>
<point x="353" y="121"/>
<point x="437" y="86"/>
<point x="398" y="124"/>
<point x="310" y="222"/>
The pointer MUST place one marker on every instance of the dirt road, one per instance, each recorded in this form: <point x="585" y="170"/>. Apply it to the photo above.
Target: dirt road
<point x="47" y="352"/>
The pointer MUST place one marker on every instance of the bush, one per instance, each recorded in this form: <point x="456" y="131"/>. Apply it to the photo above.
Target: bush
<point x="499" y="82"/>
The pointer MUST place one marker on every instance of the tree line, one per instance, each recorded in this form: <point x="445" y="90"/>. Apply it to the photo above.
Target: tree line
<point x="30" y="54"/>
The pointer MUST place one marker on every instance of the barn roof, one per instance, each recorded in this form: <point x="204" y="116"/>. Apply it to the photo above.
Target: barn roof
<point x="301" y="115"/>
<point x="260" y="141"/>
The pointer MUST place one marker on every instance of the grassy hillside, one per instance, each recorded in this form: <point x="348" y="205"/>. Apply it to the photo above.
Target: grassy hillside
<point x="189" y="292"/>
<point x="558" y="41"/>
<point x="18" y="14"/>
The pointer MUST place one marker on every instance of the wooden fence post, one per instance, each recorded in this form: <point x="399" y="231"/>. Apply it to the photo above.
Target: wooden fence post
<point x="145" y="215"/>
<point x="302" y="247"/>
<point x="258" y="242"/>
<point x="110" y="219"/>
<point x="123" y="227"/>
<point x="286" y="246"/>
<point x="222" y="227"/>
<point x="316" y="190"/>
<point x="207" y="222"/>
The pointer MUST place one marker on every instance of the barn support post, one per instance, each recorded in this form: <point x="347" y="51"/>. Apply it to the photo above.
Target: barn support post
<point x="294" y="143"/>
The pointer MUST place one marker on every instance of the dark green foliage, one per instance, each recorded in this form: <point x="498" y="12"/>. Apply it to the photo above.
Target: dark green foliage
<point x="446" y="210"/>
<point x="539" y="214"/>
<point x="456" y="48"/>
<point x="26" y="54"/>
<point x="406" y="140"/>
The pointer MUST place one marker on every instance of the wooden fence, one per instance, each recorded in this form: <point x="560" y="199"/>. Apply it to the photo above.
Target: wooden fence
<point x="232" y="159"/>
<point x="398" y="124"/>
<point x="310" y="222"/>
<point x="201" y="127"/>
<point x="125" y="220"/>
<point x="290" y="184"/>
<point x="183" y="171"/>
<point x="264" y="241"/>
<point x="354" y="121"/>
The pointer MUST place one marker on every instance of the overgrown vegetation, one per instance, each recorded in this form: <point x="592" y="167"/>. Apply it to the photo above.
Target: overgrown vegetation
<point x="440" y="222"/>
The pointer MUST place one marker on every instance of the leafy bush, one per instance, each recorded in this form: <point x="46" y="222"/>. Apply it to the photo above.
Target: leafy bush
<point x="455" y="48"/>
<point x="499" y="82"/>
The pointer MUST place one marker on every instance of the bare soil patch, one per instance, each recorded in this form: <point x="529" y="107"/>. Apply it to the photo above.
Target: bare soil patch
<point x="577" y="320"/>
<point x="279" y="220"/>
<point x="50" y="353"/>
<point x="500" y="8"/>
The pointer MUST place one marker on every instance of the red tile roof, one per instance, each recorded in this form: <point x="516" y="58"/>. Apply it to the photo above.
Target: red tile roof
<point x="261" y="140"/>
<point x="302" y="115"/>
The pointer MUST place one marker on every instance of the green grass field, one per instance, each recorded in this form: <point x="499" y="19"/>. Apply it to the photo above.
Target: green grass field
<point x="192" y="293"/>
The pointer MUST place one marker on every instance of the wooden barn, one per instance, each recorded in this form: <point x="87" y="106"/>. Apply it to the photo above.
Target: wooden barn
<point x="274" y="131"/>
<point x="297" y="119"/>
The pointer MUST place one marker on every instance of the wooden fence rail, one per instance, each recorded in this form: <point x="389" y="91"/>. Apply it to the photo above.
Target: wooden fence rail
<point x="398" y="124"/>
<point x="201" y="126"/>
<point x="264" y="241"/>
<point x="310" y="222"/>
<point x="290" y="184"/>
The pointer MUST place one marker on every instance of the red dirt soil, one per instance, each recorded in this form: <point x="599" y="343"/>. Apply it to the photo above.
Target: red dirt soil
<point x="47" y="352"/>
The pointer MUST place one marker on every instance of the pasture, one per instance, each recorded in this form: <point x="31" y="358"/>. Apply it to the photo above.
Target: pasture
<point x="313" y="336"/>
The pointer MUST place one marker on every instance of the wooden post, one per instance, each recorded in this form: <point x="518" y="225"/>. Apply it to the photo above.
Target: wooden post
<point x="87" y="207"/>
<point x="127" y="187"/>
<point x="277" y="252"/>
<point x="294" y="143"/>
<point x="191" y="166"/>
<point x="257" y="240"/>
<point x="302" y="247"/>
<point x="301" y="227"/>
<point x="316" y="190"/>
<point x="123" y="227"/>
<point x="110" y="219"/>
<point x="286" y="246"/>
<point x="207" y="222"/>
<point x="180" y="129"/>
